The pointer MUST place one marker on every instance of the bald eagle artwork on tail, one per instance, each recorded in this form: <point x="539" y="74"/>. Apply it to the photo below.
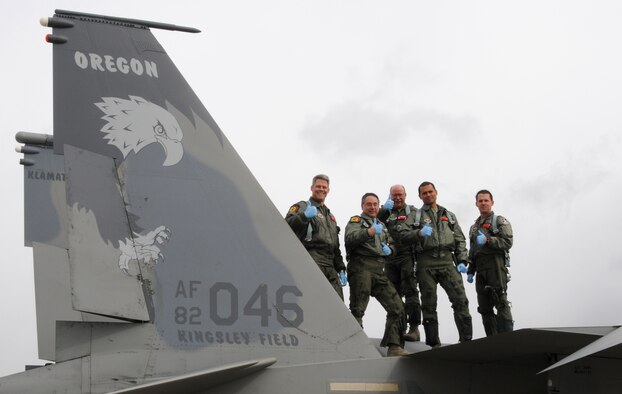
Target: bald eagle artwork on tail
<point x="143" y="247"/>
<point x="135" y="123"/>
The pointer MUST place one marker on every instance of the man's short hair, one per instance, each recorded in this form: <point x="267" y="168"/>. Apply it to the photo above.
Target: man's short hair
<point x="426" y="183"/>
<point x="484" y="191"/>
<point x="397" y="185"/>
<point x="367" y="195"/>
<point x="320" y="176"/>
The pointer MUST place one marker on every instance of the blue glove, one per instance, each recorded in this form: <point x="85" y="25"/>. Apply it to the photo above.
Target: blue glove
<point x="461" y="268"/>
<point x="311" y="211"/>
<point x="386" y="249"/>
<point x="377" y="226"/>
<point x="426" y="231"/>
<point x="388" y="205"/>
<point x="343" y="278"/>
<point x="470" y="278"/>
<point x="481" y="238"/>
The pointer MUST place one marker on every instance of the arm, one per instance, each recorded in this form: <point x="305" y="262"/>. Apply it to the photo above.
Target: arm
<point x="504" y="239"/>
<point x="356" y="233"/>
<point x="409" y="236"/>
<point x="460" y="250"/>
<point x="472" y="246"/>
<point x="383" y="214"/>
<point x="391" y="242"/>
<point x="296" y="218"/>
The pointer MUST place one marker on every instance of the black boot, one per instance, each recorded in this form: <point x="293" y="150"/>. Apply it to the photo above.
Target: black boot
<point x="490" y="324"/>
<point x="504" y="325"/>
<point x="431" y="333"/>
<point x="465" y="328"/>
<point x="413" y="314"/>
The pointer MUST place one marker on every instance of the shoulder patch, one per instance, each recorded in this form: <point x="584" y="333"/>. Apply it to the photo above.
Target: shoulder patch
<point x="355" y="219"/>
<point x="294" y="208"/>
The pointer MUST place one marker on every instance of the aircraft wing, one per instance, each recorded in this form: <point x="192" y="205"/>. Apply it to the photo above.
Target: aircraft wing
<point x="202" y="380"/>
<point x="530" y="344"/>
<point x="607" y="346"/>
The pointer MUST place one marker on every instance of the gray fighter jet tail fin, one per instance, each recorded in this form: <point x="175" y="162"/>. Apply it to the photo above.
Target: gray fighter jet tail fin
<point x="164" y="241"/>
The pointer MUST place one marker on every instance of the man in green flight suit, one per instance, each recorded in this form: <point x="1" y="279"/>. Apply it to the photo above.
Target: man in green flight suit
<point x="400" y="268"/>
<point x="491" y="239"/>
<point x="368" y="244"/>
<point x="317" y="229"/>
<point x="441" y="257"/>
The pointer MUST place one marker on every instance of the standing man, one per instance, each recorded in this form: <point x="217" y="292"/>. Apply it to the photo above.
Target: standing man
<point x="400" y="267"/>
<point x="368" y="244"/>
<point x="441" y="255"/>
<point x="491" y="239"/>
<point x="317" y="229"/>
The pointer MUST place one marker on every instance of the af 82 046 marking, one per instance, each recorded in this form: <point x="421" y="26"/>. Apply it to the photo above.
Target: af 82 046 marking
<point x="223" y="304"/>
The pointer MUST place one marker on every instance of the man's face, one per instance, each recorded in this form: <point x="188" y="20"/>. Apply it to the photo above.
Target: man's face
<point x="370" y="206"/>
<point x="319" y="190"/>
<point x="398" y="195"/>
<point x="427" y="194"/>
<point x="484" y="203"/>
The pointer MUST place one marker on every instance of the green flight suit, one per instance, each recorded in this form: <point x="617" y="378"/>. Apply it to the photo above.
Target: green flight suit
<point x="437" y="257"/>
<point x="366" y="261"/>
<point x="400" y="268"/>
<point x="491" y="281"/>
<point x="321" y="239"/>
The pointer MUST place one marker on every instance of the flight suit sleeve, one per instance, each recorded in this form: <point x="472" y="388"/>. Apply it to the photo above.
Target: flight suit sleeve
<point x="391" y="243"/>
<point x="504" y="239"/>
<point x="472" y="241"/>
<point x="297" y="220"/>
<point x="471" y="268"/>
<point x="383" y="214"/>
<point x="408" y="235"/>
<point x="460" y="250"/>
<point x="356" y="233"/>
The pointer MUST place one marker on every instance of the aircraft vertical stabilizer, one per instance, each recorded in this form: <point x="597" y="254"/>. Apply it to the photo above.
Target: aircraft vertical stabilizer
<point x="159" y="228"/>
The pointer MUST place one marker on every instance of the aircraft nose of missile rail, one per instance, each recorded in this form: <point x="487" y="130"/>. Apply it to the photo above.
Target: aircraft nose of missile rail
<point x="30" y="140"/>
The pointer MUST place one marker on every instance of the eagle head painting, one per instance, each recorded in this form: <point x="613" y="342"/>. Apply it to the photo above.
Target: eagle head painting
<point x="135" y="123"/>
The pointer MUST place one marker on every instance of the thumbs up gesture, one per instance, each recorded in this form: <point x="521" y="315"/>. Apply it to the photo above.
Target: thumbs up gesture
<point x="481" y="238"/>
<point x="311" y="211"/>
<point x="388" y="205"/>
<point x="377" y="226"/>
<point x="426" y="231"/>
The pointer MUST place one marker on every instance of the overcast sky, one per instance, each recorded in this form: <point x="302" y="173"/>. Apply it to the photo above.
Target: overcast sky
<point x="522" y="98"/>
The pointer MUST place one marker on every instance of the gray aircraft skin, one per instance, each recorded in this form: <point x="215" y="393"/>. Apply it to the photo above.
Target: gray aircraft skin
<point x="161" y="265"/>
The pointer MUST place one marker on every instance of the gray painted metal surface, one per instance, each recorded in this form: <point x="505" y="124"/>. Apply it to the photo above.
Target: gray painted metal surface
<point x="53" y="297"/>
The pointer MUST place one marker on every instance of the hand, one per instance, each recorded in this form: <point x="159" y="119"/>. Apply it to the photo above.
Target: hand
<point x="311" y="211"/>
<point x="470" y="278"/>
<point x="386" y="249"/>
<point x="481" y="238"/>
<point x="461" y="268"/>
<point x="426" y="231"/>
<point x="388" y="205"/>
<point x="343" y="278"/>
<point x="377" y="226"/>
